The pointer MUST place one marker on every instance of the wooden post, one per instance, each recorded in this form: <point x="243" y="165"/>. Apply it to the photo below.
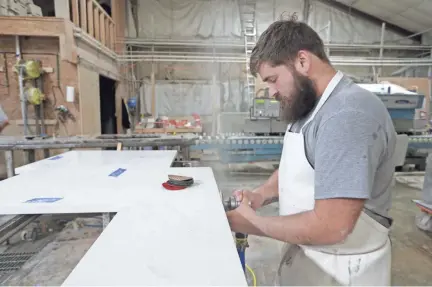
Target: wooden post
<point x="75" y="13"/>
<point x="118" y="15"/>
<point x="107" y="32"/>
<point x="112" y="39"/>
<point x="96" y="24"/>
<point x="102" y="28"/>
<point x="90" y="14"/>
<point x="83" y="7"/>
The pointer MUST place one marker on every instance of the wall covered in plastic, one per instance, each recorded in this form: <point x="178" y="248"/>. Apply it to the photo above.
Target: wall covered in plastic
<point x="220" y="18"/>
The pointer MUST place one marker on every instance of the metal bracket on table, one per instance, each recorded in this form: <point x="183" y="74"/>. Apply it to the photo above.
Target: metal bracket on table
<point x="106" y="218"/>
<point x="10" y="166"/>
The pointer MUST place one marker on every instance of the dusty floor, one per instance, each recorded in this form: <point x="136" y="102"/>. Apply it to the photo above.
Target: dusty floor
<point x="412" y="248"/>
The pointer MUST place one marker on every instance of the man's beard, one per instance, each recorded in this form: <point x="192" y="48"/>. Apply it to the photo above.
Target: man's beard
<point x="301" y="102"/>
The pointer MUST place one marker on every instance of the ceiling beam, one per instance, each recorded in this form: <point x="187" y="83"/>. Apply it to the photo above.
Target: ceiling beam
<point x="355" y="12"/>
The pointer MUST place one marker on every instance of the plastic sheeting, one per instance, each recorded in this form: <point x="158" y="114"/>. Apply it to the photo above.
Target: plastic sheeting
<point x="268" y="11"/>
<point x="198" y="19"/>
<point x="131" y="30"/>
<point x="413" y="15"/>
<point x="182" y="99"/>
<point x="220" y="18"/>
<point x="346" y="28"/>
<point x="182" y="18"/>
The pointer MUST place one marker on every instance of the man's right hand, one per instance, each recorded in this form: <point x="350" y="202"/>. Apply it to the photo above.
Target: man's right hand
<point x="256" y="199"/>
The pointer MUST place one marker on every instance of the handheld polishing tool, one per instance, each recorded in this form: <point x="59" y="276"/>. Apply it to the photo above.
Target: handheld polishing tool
<point x="241" y="239"/>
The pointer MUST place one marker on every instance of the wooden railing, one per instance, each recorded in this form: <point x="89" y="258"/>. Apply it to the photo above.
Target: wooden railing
<point x="94" y="20"/>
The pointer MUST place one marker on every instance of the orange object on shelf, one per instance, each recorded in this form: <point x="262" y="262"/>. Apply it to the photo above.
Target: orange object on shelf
<point x="197" y="120"/>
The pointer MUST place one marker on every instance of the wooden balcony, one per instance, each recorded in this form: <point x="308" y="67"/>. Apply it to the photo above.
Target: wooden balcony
<point x="92" y="19"/>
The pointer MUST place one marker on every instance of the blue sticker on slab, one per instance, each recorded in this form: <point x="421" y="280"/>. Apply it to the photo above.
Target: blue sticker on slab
<point x="117" y="172"/>
<point x="44" y="199"/>
<point x="56" y="157"/>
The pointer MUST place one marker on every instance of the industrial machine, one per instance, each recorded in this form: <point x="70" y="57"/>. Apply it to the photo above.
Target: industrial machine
<point x="259" y="137"/>
<point x="264" y="118"/>
<point x="265" y="108"/>
<point x="406" y="108"/>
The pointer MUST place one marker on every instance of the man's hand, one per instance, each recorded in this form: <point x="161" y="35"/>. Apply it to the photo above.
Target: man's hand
<point x="263" y="195"/>
<point x="242" y="219"/>
<point x="256" y="199"/>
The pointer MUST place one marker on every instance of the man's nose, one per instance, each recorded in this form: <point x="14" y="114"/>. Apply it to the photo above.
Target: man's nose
<point x="272" y="92"/>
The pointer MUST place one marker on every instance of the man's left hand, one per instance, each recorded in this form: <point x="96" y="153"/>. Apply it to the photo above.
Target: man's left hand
<point x="243" y="218"/>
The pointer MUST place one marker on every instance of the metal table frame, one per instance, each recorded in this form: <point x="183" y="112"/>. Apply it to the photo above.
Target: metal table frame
<point x="11" y="144"/>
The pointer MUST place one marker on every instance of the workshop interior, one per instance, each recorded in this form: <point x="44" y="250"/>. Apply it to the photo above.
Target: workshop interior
<point x="129" y="124"/>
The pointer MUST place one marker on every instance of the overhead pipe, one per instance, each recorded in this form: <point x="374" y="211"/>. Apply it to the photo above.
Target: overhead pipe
<point x="381" y="51"/>
<point x="133" y="53"/>
<point x="219" y="56"/>
<point x="240" y="44"/>
<point x="224" y="59"/>
<point x="169" y="54"/>
<point x="21" y="86"/>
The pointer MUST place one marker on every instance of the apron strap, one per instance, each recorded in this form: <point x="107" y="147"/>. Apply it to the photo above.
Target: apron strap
<point x="325" y="96"/>
<point x="327" y="92"/>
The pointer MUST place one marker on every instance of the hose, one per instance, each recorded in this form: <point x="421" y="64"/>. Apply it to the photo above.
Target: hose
<point x="240" y="239"/>
<point x="253" y="275"/>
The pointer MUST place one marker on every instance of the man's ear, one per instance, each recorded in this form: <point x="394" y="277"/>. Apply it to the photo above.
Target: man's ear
<point x="302" y="63"/>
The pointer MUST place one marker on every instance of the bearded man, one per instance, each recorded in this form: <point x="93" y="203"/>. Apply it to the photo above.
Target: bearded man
<point x="334" y="179"/>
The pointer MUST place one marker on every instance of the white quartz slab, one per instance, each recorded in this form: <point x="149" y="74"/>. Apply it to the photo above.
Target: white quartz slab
<point x="166" y="238"/>
<point x="83" y="185"/>
<point x="163" y="158"/>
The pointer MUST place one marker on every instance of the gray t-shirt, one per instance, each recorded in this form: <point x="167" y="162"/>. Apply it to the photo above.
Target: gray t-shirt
<point x="350" y="144"/>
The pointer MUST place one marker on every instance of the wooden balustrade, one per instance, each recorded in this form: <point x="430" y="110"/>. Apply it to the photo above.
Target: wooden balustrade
<point x="94" y="20"/>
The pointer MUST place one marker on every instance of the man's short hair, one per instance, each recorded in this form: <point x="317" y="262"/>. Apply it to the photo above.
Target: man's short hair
<point x="282" y="40"/>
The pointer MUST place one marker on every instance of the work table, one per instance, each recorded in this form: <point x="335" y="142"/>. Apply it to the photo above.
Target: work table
<point x="157" y="237"/>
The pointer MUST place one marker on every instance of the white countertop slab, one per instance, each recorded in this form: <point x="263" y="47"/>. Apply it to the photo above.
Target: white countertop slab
<point x="166" y="238"/>
<point x="83" y="185"/>
<point x="78" y="158"/>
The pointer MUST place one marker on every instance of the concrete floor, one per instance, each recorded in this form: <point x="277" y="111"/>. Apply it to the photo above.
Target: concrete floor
<point x="411" y="247"/>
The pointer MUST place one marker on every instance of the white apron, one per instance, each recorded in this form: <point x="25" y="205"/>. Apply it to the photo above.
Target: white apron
<point x="364" y="258"/>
